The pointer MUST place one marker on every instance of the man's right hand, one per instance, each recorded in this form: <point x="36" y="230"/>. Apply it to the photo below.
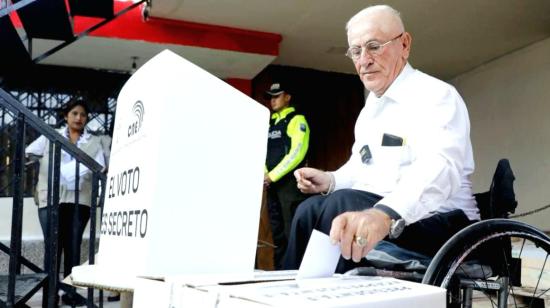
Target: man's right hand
<point x="312" y="181"/>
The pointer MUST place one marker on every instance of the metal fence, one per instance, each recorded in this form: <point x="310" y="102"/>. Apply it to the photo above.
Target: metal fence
<point x="20" y="125"/>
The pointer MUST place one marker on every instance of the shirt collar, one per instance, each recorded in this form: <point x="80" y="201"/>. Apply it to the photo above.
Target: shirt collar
<point x="395" y="91"/>
<point x="84" y="137"/>
<point x="283" y="113"/>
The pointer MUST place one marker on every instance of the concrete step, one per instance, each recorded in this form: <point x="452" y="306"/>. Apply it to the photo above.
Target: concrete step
<point x="33" y="250"/>
<point x="25" y="286"/>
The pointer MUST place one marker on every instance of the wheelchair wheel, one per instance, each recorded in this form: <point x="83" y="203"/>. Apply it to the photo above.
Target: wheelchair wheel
<point x="494" y="263"/>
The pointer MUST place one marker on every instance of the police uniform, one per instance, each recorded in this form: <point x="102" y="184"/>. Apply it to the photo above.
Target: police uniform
<point x="288" y="142"/>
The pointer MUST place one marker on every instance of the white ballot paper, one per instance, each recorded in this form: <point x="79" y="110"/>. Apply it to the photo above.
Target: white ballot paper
<point x="320" y="258"/>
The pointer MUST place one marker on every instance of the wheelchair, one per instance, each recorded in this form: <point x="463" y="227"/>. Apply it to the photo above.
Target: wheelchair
<point x="481" y="266"/>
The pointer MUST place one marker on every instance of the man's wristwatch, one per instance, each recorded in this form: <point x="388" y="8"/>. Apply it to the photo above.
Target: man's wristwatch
<point x="397" y="222"/>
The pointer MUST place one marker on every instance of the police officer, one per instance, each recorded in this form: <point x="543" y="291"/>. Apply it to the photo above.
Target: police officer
<point x="286" y="149"/>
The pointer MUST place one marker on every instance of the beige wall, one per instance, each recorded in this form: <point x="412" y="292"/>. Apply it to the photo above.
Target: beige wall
<point x="509" y="104"/>
<point x="31" y="227"/>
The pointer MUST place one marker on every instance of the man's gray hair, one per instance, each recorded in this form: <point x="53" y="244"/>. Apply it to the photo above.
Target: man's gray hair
<point x="381" y="8"/>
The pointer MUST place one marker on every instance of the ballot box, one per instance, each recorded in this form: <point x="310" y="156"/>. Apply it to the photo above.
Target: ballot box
<point x="184" y="187"/>
<point x="336" y="291"/>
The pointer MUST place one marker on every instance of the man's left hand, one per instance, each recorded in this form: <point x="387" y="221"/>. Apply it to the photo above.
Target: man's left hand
<point x="372" y="225"/>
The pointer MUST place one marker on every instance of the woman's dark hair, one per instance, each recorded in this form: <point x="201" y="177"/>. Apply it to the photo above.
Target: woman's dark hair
<point x="73" y="103"/>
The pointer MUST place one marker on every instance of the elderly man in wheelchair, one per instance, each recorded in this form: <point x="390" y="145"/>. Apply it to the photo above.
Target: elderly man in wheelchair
<point x="406" y="188"/>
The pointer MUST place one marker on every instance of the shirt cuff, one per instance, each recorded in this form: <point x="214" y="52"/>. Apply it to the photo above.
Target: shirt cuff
<point x="341" y="181"/>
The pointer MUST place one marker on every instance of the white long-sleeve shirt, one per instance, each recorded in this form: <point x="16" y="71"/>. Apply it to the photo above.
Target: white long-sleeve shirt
<point x="67" y="162"/>
<point x="431" y="172"/>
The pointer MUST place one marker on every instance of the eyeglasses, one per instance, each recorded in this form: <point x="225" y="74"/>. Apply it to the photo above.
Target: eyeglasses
<point x="373" y="48"/>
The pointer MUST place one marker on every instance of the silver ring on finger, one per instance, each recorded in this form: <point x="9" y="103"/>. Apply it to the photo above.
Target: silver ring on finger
<point x="360" y="241"/>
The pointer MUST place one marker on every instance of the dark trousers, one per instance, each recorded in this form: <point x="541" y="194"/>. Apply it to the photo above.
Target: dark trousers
<point x="70" y="233"/>
<point x="283" y="197"/>
<point x="317" y="212"/>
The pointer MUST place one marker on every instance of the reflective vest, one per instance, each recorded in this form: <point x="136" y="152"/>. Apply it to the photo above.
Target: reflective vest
<point x="278" y="143"/>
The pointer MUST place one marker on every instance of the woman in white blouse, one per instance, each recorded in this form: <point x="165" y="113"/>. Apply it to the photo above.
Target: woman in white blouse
<point x="76" y="116"/>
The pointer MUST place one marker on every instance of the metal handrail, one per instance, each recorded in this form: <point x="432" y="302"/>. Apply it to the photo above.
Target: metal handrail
<point x="50" y="133"/>
<point x="28" y="165"/>
<point x="25" y="117"/>
<point x="14" y="7"/>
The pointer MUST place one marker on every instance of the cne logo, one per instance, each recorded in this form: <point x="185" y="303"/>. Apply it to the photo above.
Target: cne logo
<point x="137" y="110"/>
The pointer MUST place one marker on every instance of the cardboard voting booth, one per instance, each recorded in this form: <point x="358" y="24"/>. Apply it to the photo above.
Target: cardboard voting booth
<point x="185" y="180"/>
